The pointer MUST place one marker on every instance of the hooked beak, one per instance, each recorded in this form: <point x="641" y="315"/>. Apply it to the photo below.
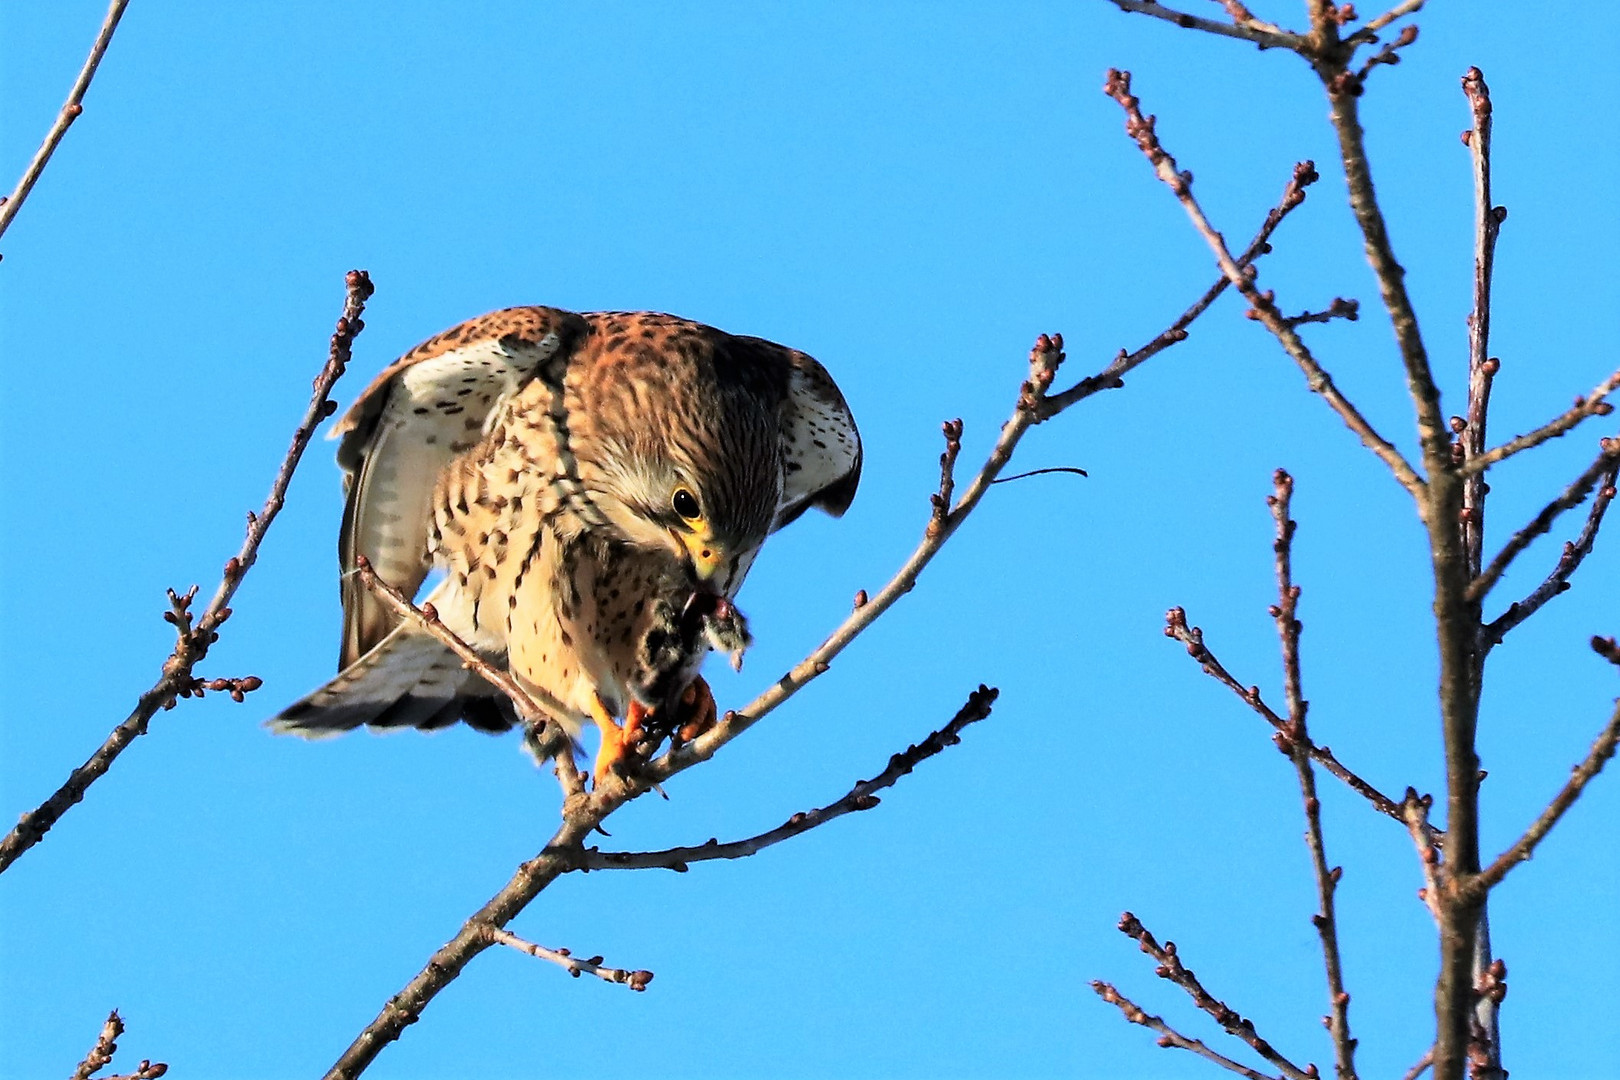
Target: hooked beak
<point x="706" y="555"/>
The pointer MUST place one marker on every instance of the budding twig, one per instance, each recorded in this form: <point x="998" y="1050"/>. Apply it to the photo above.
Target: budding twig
<point x="1264" y="306"/>
<point x="635" y="980"/>
<point x="1574" y="553"/>
<point x="101" y="1055"/>
<point x="1169" y="1036"/>
<point x="1193" y="637"/>
<point x="195" y="638"/>
<point x="71" y="110"/>
<point x="1293" y="741"/>
<point x="860" y="797"/>
<point x="1171" y="968"/>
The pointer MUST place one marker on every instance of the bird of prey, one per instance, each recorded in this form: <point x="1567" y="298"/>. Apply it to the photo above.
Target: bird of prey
<point x="594" y="489"/>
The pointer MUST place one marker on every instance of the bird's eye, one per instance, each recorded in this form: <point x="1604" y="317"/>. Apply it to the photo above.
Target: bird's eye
<point x="686" y="504"/>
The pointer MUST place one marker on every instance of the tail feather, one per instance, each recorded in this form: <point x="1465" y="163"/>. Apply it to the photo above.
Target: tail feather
<point x="409" y="679"/>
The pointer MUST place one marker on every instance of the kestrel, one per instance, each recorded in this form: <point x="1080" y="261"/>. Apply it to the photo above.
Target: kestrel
<point x="594" y="489"/>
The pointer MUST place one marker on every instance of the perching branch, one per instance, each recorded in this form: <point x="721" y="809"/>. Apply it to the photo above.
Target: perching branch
<point x="860" y="797"/>
<point x="194" y="639"/>
<point x="636" y="980"/>
<point x="71" y="110"/>
<point x="1171" y="968"/>
<point x="1169" y="1036"/>
<point x="1294" y="741"/>
<point x="538" y="709"/>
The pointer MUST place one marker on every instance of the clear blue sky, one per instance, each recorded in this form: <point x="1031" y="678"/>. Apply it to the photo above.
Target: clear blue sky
<point x="911" y="193"/>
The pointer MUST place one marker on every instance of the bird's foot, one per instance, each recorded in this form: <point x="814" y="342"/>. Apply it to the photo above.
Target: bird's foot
<point x="696" y="710"/>
<point x="617" y="746"/>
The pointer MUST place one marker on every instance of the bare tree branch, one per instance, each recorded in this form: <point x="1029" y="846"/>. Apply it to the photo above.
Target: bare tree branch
<point x="1294" y="740"/>
<point x="860" y="797"/>
<point x="71" y="110"/>
<point x="101" y="1055"/>
<point x="1574" y="553"/>
<point x="636" y="980"/>
<point x="1592" y="404"/>
<point x="1582" y="774"/>
<point x="1421" y="1066"/>
<point x="1415" y="812"/>
<point x="1169" y="1036"/>
<point x="1341" y="308"/>
<point x="1193" y="637"/>
<point x="194" y="639"/>
<point x="1141" y="129"/>
<point x="1602" y="468"/>
<point x="1112" y="376"/>
<point x="1482" y="369"/>
<point x="1171" y="968"/>
<point x="1245" y="31"/>
<point x="1377" y="23"/>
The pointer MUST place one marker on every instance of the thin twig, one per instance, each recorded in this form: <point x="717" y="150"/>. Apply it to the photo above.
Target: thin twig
<point x="71" y="110"/>
<point x="1603" y="468"/>
<point x="1294" y="741"/>
<point x="101" y="1055"/>
<point x="1191" y="636"/>
<point x="1377" y="23"/>
<point x="193" y="640"/>
<point x="1415" y="812"/>
<point x="1171" y="968"/>
<point x="1523" y="848"/>
<point x="1574" y="553"/>
<point x="636" y="980"/>
<point x="1266" y="39"/>
<point x="1169" y="1036"/>
<point x="860" y="797"/>
<point x="1593" y="404"/>
<point x="941" y="500"/>
<point x="1471" y="443"/>
<point x="1112" y="377"/>
<point x="538" y="709"/>
<point x="1349" y="310"/>
<point x="1141" y="129"/>
<point x="1421" y="1066"/>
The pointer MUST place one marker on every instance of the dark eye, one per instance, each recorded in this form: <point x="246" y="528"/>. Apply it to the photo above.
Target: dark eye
<point x="686" y="504"/>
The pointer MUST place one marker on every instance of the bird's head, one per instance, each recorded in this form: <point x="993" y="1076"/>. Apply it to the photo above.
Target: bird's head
<point x="705" y="490"/>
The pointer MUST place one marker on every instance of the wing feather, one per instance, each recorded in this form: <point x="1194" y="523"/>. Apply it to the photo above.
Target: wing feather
<point x="821" y="447"/>
<point x="417" y="416"/>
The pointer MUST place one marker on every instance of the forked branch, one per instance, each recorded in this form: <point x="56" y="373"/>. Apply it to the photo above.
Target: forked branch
<point x="1171" y="968"/>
